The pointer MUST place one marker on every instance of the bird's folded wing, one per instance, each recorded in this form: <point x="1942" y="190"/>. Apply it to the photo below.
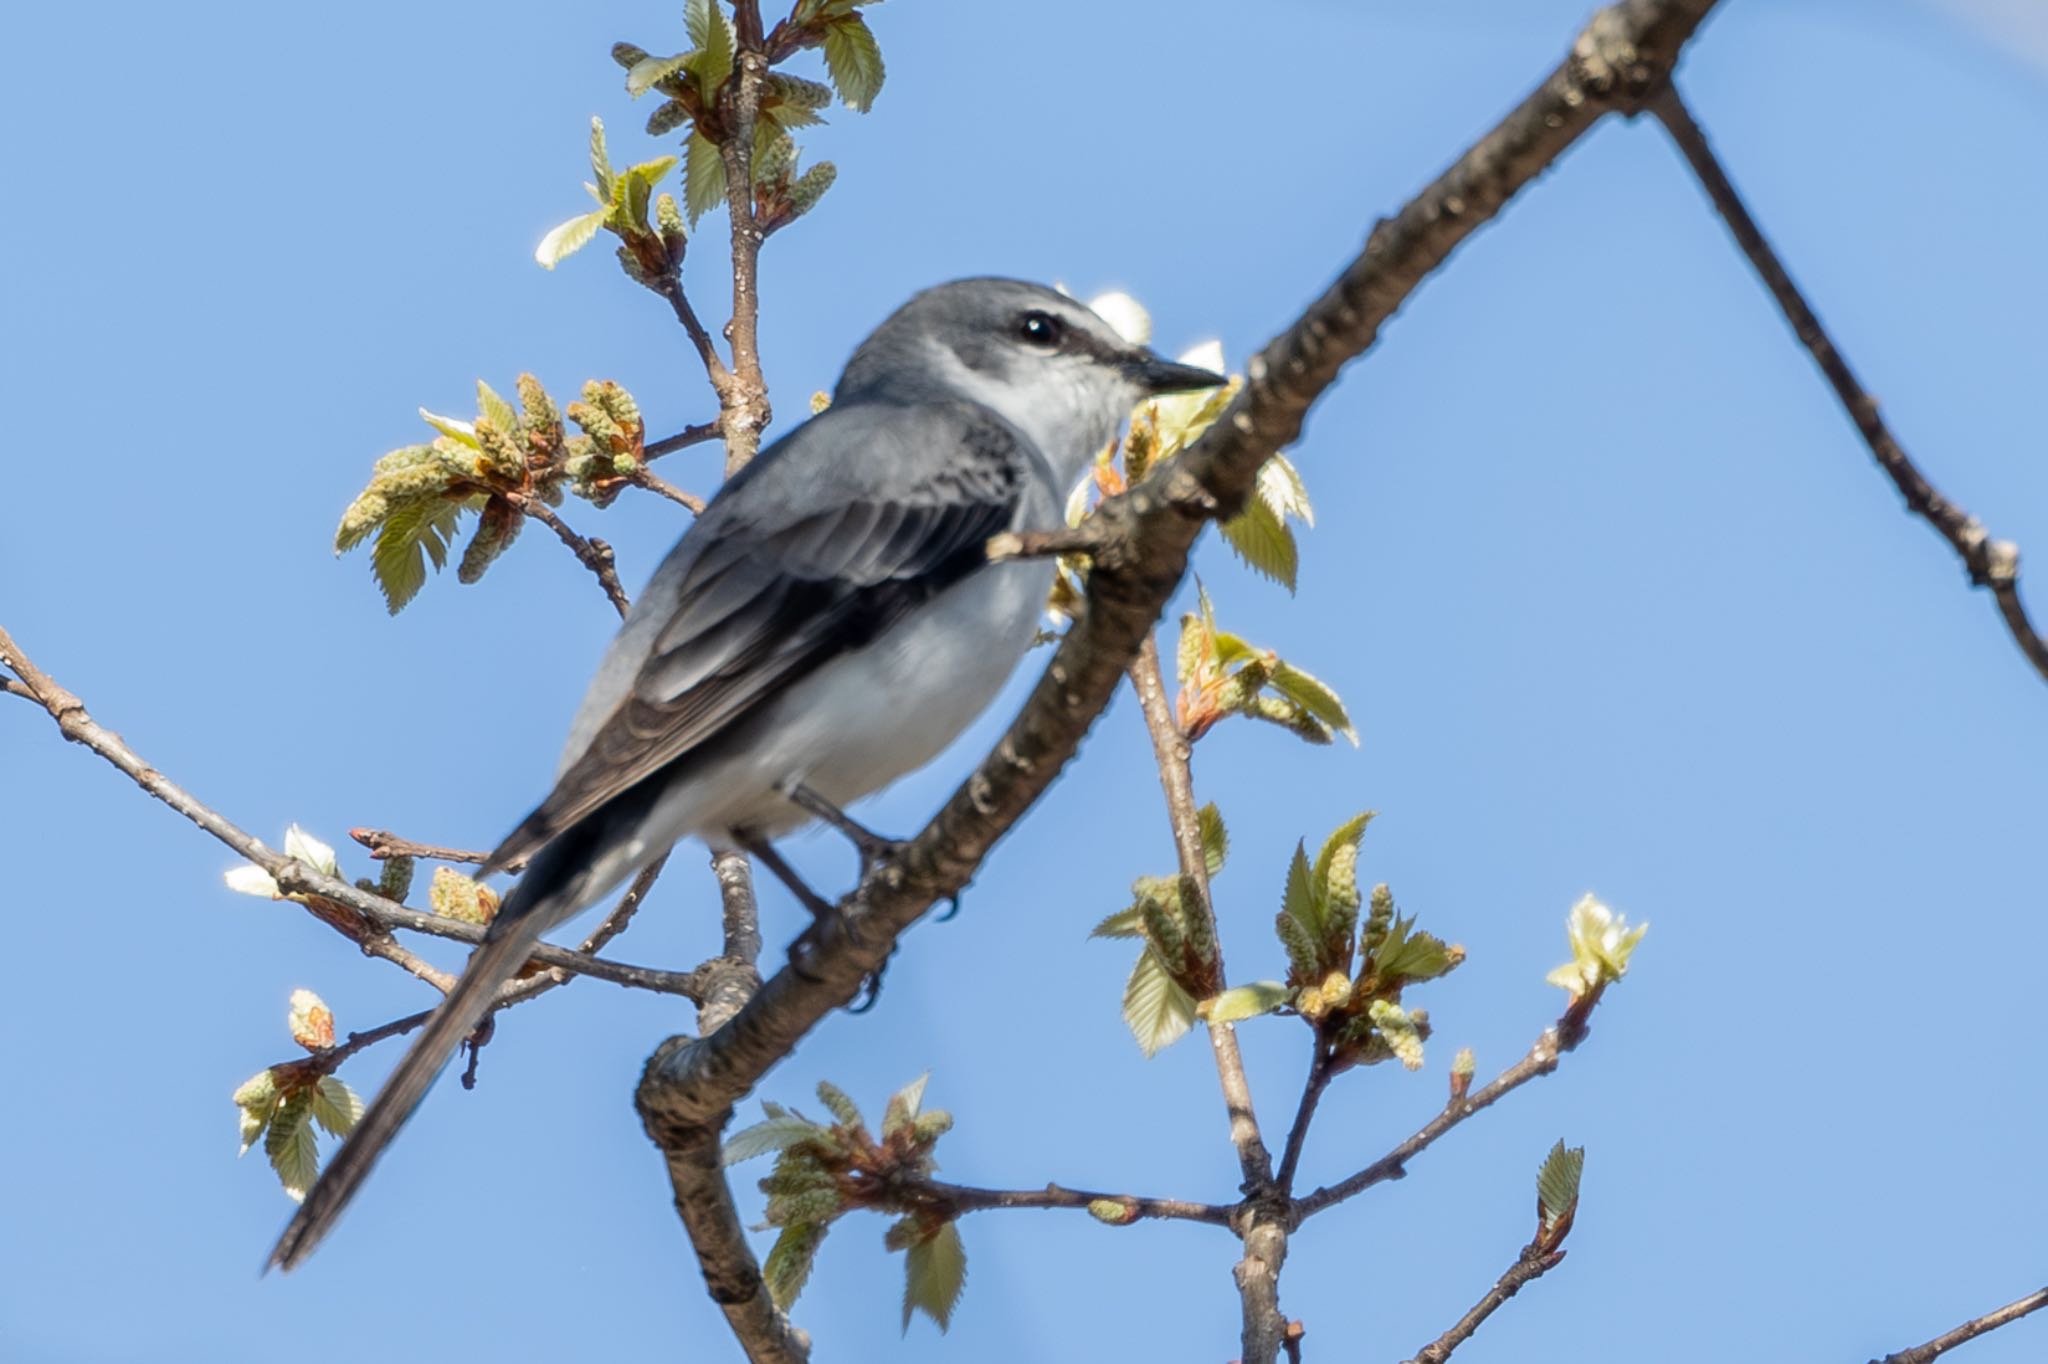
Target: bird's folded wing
<point x="802" y="565"/>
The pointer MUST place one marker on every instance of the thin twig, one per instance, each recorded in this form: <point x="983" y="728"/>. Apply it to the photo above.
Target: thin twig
<point x="1083" y="539"/>
<point x="1991" y="563"/>
<point x="14" y="688"/>
<point x="1264" y="1230"/>
<point x="688" y="436"/>
<point x="1541" y="1060"/>
<point x="361" y="915"/>
<point x="383" y="845"/>
<point x="595" y="554"/>
<point x="1321" y="1071"/>
<point x="387" y="948"/>
<point x="655" y="483"/>
<point x="962" y="1198"/>
<point x="1534" y="1262"/>
<point x="671" y="288"/>
<point x="1969" y="1330"/>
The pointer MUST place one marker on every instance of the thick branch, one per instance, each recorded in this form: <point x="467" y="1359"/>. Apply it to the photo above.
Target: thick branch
<point x="703" y="1200"/>
<point x="1625" y="51"/>
<point x="1991" y="563"/>
<point x="1968" y="1331"/>
<point x="362" y="915"/>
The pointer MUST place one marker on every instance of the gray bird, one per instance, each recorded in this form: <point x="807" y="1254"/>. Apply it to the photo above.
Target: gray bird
<point x="827" y="625"/>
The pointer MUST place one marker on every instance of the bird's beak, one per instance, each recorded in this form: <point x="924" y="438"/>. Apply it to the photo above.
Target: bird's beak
<point x="1155" y="374"/>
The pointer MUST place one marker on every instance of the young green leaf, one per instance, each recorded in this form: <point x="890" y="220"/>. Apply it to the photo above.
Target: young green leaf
<point x="1301" y="900"/>
<point x="1215" y="838"/>
<point x="646" y="73"/>
<point x="600" y="162"/>
<point x="789" y="1263"/>
<point x="1557" y="1182"/>
<point x="336" y="1107"/>
<point x="1156" y="1009"/>
<point x="1407" y="956"/>
<point x="703" y="176"/>
<point x="934" y="1273"/>
<point x="1313" y="696"/>
<point x="854" y="60"/>
<point x="778" y="1132"/>
<point x="1280" y="487"/>
<point x="1264" y="542"/>
<point x="293" y="1150"/>
<point x="1125" y="923"/>
<point x="712" y="62"/>
<point x="566" y="239"/>
<point x="1246" y="1001"/>
<point x="257" y="1100"/>
<point x="411" y="535"/>
<point x="903" y="1106"/>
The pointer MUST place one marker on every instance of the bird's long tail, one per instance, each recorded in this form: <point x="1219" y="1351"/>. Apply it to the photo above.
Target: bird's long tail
<point x="495" y="961"/>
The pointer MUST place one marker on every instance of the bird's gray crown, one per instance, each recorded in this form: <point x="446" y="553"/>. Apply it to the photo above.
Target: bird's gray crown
<point x="1047" y="363"/>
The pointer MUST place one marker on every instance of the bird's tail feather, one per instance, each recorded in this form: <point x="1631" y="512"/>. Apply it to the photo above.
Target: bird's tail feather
<point x="490" y="966"/>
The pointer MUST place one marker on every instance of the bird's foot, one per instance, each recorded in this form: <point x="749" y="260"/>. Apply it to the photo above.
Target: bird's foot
<point x="762" y="851"/>
<point x="873" y="848"/>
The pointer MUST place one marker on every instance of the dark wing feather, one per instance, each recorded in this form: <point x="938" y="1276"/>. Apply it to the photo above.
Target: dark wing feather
<point x="766" y="603"/>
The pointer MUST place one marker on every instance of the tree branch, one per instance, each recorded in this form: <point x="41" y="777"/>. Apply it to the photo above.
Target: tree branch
<point x="1626" y="50"/>
<point x="744" y="402"/>
<point x="689" y="435"/>
<point x="384" y="845"/>
<point x="961" y="1198"/>
<point x="1991" y="563"/>
<point x="1320" y="1072"/>
<point x="363" y="916"/>
<point x="1533" y="1263"/>
<point x="1541" y="1060"/>
<point x="595" y="554"/>
<point x="1264" y="1228"/>
<point x="1968" y="1331"/>
<point x="655" y="483"/>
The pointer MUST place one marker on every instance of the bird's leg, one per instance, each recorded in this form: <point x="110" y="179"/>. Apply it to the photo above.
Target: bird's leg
<point x="762" y="851"/>
<point x="871" y="846"/>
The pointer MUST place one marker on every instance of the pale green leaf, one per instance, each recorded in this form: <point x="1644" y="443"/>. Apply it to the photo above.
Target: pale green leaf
<point x="1300" y="901"/>
<point x="455" y="428"/>
<point x="934" y="1273"/>
<point x="411" y="535"/>
<point x="336" y="1107"/>
<point x="789" y="1263"/>
<point x="1313" y="696"/>
<point x="1247" y="1001"/>
<point x="1125" y="923"/>
<point x="854" y="60"/>
<point x="1280" y="487"/>
<point x="904" y="1104"/>
<point x="566" y="239"/>
<point x="293" y="1150"/>
<point x="1410" y="956"/>
<point x="1557" y="1182"/>
<point x="600" y="162"/>
<point x="703" y="176"/>
<point x="778" y="1132"/>
<point x="639" y="188"/>
<point x="1156" y="1008"/>
<point x="1264" y="542"/>
<point x="1215" y="838"/>
<point x="709" y="30"/>
<point x="257" y="1100"/>
<point x="500" y="413"/>
<point x="1350" y="832"/>
<point x="644" y="74"/>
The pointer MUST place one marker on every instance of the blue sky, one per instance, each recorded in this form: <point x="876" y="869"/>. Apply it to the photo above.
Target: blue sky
<point x="1616" y="596"/>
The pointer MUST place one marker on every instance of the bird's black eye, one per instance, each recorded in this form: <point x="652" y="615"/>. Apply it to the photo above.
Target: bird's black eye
<point x="1040" y="329"/>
